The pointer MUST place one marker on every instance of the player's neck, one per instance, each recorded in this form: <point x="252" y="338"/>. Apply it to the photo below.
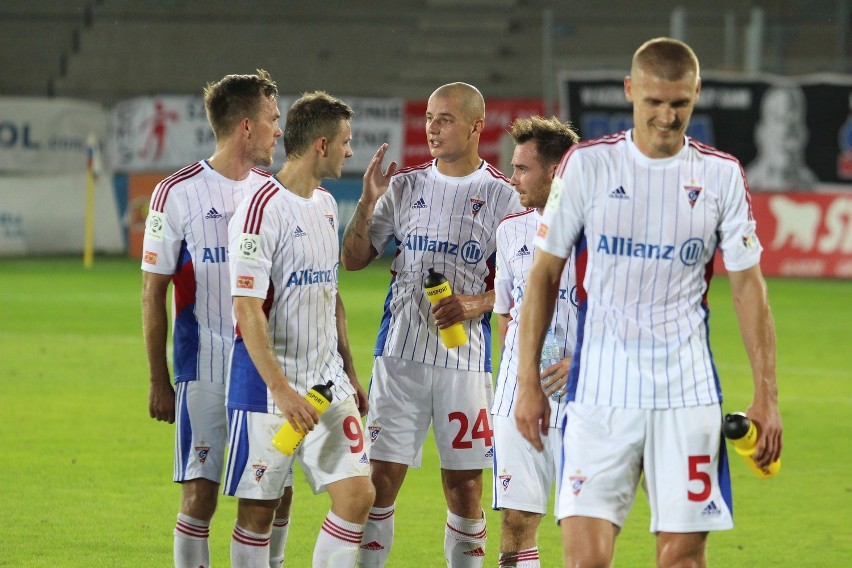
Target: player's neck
<point x="298" y="177"/>
<point x="461" y="167"/>
<point x="229" y="165"/>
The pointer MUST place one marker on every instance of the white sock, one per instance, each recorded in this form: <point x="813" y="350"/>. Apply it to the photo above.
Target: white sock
<point x="278" y="541"/>
<point x="527" y="558"/>
<point x="378" y="538"/>
<point x="464" y="541"/>
<point x="337" y="543"/>
<point x="249" y="549"/>
<point x="191" y="542"/>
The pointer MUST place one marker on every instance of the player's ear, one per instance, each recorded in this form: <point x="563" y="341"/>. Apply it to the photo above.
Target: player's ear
<point x="553" y="170"/>
<point x="244" y="127"/>
<point x="321" y="146"/>
<point x="628" y="89"/>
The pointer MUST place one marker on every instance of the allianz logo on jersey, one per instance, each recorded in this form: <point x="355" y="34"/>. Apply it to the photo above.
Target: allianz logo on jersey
<point x="214" y="254"/>
<point x="470" y="251"/>
<point x="309" y="276"/>
<point x="564" y="294"/>
<point x="689" y="253"/>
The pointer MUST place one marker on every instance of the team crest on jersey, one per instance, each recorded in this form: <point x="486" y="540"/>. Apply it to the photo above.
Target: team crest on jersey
<point x="374" y="432"/>
<point x="201" y="451"/>
<point x="330" y="218"/>
<point x="249" y="248"/>
<point x="155" y="225"/>
<point x="259" y="469"/>
<point x="692" y="193"/>
<point x="577" y="480"/>
<point x="476" y="205"/>
<point x="149" y="257"/>
<point x="505" y="478"/>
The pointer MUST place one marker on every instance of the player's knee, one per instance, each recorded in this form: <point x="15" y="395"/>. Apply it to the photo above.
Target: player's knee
<point x="353" y="502"/>
<point x="199" y="498"/>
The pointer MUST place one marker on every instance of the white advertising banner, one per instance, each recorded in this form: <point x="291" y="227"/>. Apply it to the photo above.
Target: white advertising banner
<point x="47" y="136"/>
<point x="164" y="133"/>
<point x="46" y="215"/>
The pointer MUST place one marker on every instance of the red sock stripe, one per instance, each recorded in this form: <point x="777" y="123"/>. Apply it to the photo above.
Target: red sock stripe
<point x="240" y="536"/>
<point x="192" y="530"/>
<point x="480" y="534"/>
<point x="281" y="522"/>
<point x="341" y="533"/>
<point x="513" y="558"/>
<point x="381" y="516"/>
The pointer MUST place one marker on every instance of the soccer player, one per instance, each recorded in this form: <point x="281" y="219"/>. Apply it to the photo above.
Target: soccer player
<point x="443" y="215"/>
<point x="522" y="476"/>
<point x="647" y="209"/>
<point x="186" y="238"/>
<point x="291" y="335"/>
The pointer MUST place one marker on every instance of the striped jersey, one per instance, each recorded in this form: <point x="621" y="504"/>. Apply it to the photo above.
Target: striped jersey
<point x="646" y="231"/>
<point x="284" y="248"/>
<point x="186" y="235"/>
<point x="515" y="253"/>
<point x="446" y="223"/>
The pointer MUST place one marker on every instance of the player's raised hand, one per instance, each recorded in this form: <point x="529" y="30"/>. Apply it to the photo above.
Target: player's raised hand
<point x="376" y="181"/>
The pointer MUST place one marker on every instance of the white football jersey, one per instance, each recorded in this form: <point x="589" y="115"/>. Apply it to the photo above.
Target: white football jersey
<point x="515" y="254"/>
<point x="284" y="248"/>
<point x="186" y="235"/>
<point x="446" y="223"/>
<point x="646" y="231"/>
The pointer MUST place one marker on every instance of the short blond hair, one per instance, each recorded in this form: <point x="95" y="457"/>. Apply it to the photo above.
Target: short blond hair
<point x="470" y="100"/>
<point x="666" y="58"/>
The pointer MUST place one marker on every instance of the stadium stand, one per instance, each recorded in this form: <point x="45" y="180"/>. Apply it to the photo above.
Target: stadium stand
<point x="109" y="50"/>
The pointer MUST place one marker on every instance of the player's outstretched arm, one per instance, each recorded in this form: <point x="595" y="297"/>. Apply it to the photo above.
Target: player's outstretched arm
<point x="757" y="327"/>
<point x="155" y="328"/>
<point x="532" y="410"/>
<point x="357" y="250"/>
<point x="251" y="319"/>
<point x="346" y="354"/>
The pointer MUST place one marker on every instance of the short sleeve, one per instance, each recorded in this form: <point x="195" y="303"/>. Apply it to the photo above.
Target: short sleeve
<point x="164" y="236"/>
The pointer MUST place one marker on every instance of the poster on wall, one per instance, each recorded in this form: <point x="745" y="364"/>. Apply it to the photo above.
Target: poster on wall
<point x="165" y="133"/>
<point x="48" y="136"/>
<point x="790" y="134"/>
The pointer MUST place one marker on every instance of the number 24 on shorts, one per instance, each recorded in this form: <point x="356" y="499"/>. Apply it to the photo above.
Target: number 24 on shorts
<point x="481" y="430"/>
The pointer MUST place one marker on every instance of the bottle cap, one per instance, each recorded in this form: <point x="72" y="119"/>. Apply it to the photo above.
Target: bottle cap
<point x="735" y="425"/>
<point x="433" y="279"/>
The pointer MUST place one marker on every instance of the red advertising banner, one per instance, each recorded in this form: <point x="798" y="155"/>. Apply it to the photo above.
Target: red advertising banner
<point x="499" y="114"/>
<point x="803" y="234"/>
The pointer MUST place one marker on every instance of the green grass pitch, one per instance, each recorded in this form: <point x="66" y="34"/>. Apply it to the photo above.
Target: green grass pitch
<point x="85" y="474"/>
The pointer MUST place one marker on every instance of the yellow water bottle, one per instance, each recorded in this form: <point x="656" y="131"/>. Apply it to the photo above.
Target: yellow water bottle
<point x="742" y="433"/>
<point x="437" y="287"/>
<point x="289" y="438"/>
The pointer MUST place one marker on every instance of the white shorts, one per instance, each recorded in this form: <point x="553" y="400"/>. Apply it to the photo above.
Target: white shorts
<point x="201" y="432"/>
<point x="680" y="451"/>
<point x="335" y="449"/>
<point x="406" y="397"/>
<point x="523" y="476"/>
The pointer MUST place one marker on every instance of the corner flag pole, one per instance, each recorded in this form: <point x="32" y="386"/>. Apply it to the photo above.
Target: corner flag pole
<point x="89" y="242"/>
